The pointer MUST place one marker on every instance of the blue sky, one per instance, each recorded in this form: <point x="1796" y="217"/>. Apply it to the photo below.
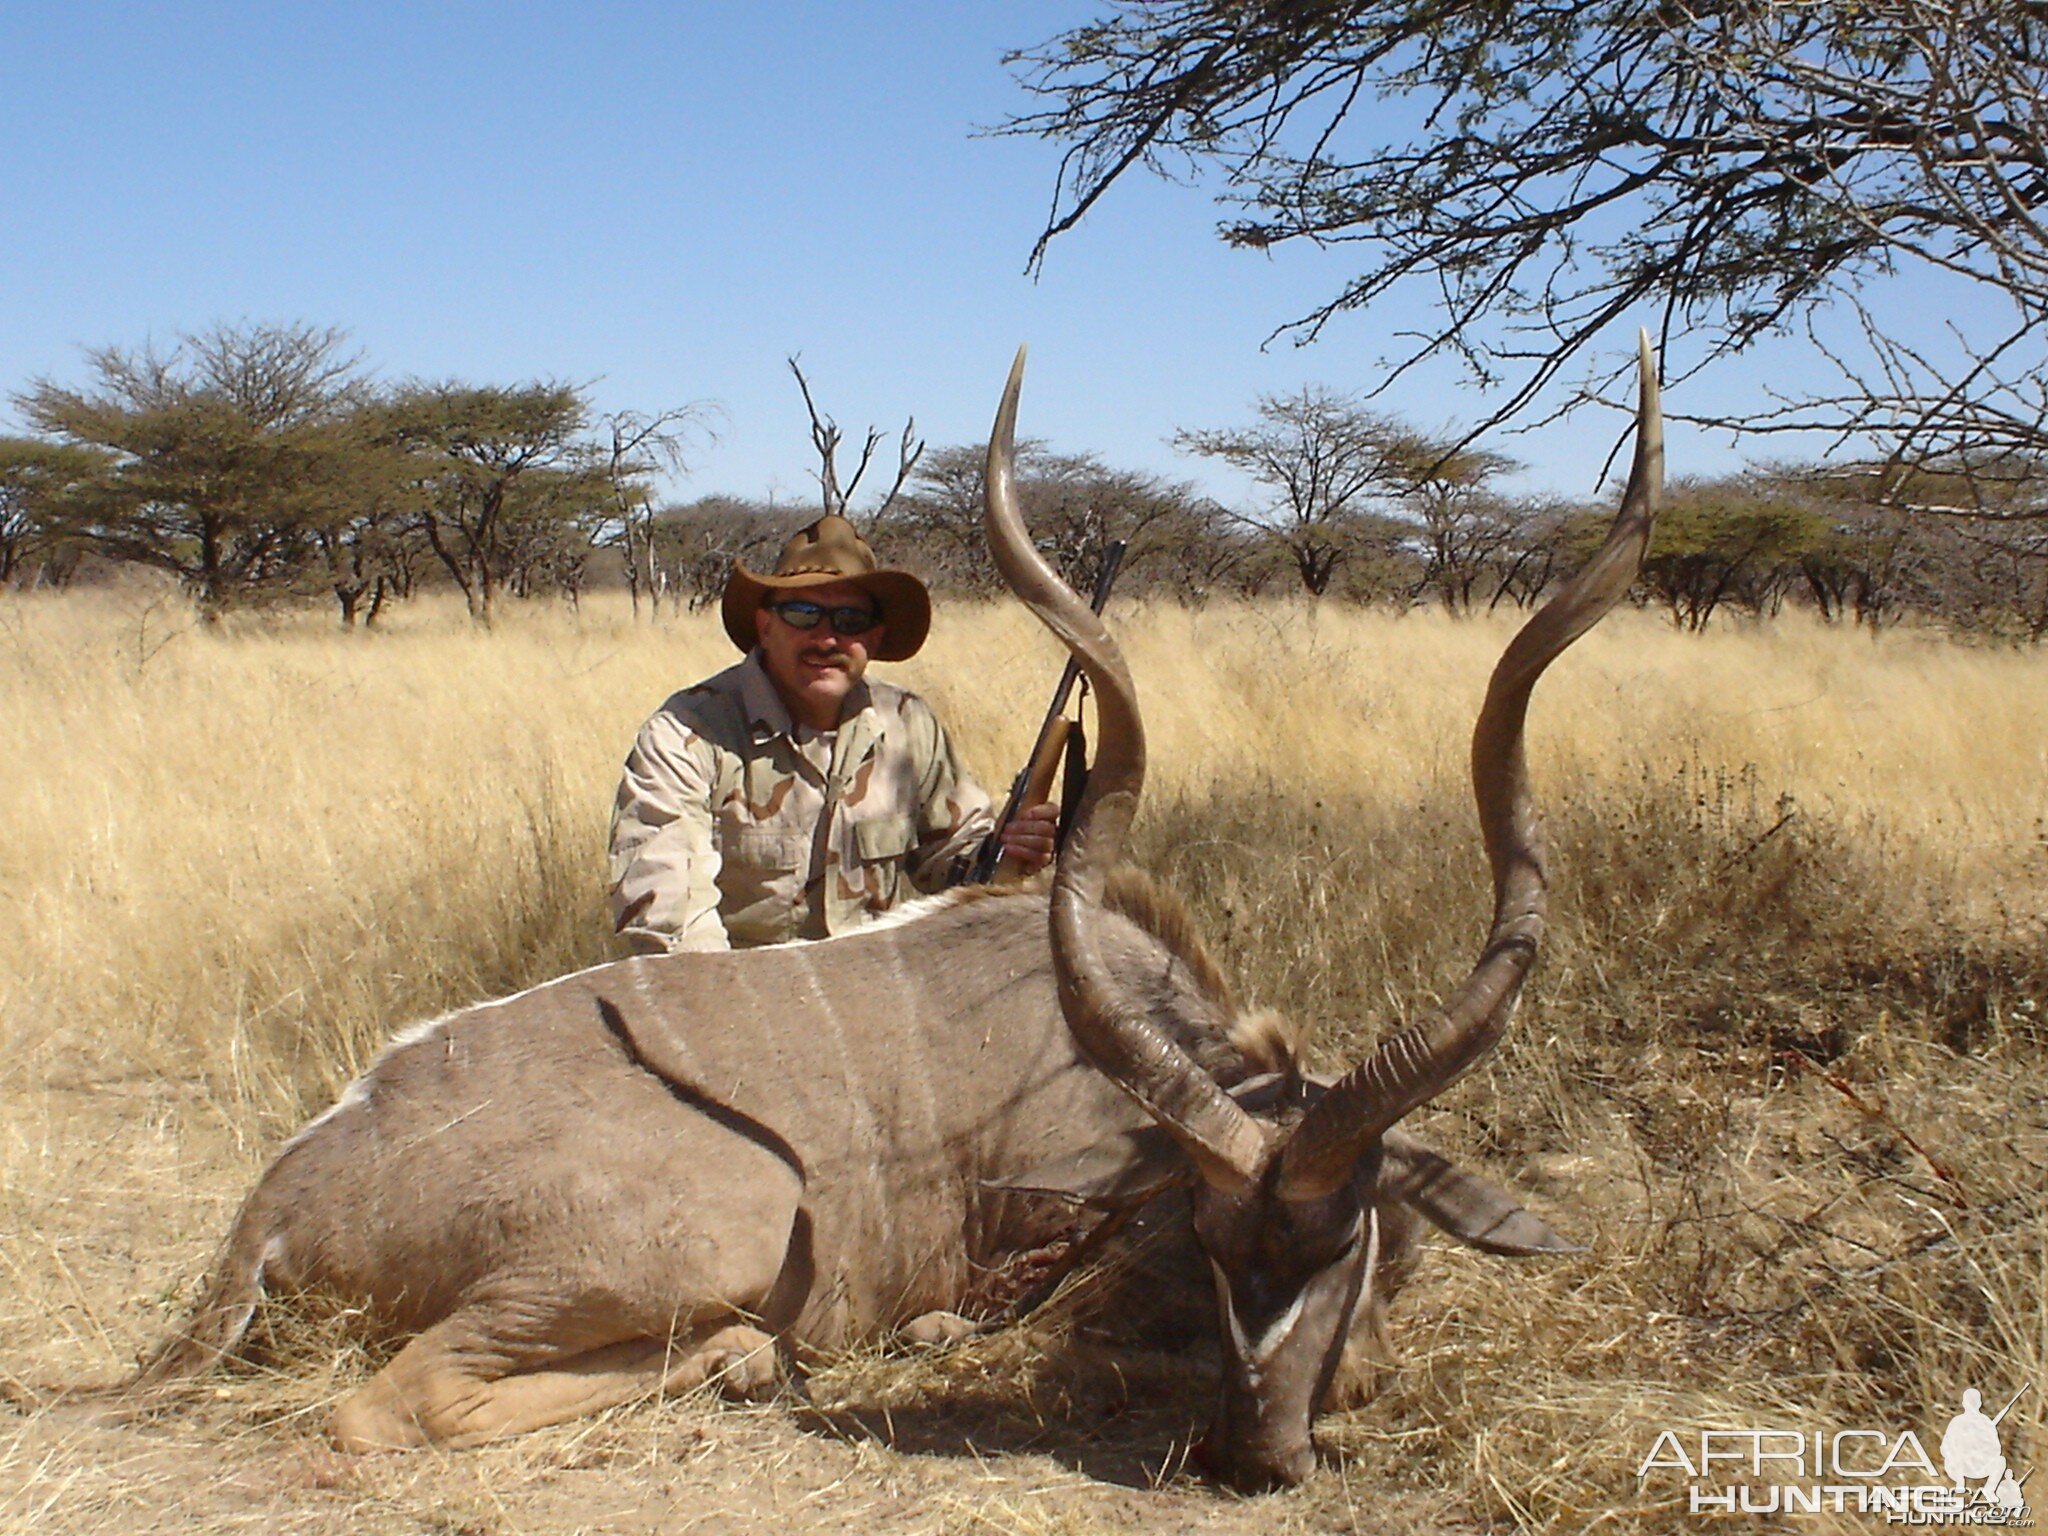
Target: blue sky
<point x="662" y="202"/>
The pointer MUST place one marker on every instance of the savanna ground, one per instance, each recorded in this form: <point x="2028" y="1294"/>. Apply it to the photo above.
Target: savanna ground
<point x="1781" y="1068"/>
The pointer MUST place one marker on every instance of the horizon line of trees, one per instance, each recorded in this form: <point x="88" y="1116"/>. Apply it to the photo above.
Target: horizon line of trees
<point x="253" y="463"/>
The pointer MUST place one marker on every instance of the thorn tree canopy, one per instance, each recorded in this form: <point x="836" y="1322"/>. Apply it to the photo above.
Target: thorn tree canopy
<point x="1544" y="169"/>
<point x="1334" y="473"/>
<point x="41" y="488"/>
<point x="216" y="454"/>
<point x="500" y="467"/>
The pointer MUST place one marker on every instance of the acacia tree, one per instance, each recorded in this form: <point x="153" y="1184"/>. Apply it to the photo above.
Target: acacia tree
<point x="1878" y="561"/>
<point x="366" y="540"/>
<point x="1328" y="465"/>
<point x="1464" y="527"/>
<point x="694" y="545"/>
<point x="2014" y="559"/>
<point x="1076" y="505"/>
<point x="1544" y="539"/>
<point x="489" y="461"/>
<point x="557" y="518"/>
<point x="1542" y="171"/>
<point x="41" y="489"/>
<point x="1734" y="541"/>
<point x="218" y="452"/>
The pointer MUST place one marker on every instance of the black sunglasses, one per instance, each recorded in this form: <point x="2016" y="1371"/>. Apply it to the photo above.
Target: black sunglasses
<point x="849" y="621"/>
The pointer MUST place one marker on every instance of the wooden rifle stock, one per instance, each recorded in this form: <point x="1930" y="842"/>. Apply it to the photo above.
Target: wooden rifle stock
<point x="1033" y="784"/>
<point x="1038" y="777"/>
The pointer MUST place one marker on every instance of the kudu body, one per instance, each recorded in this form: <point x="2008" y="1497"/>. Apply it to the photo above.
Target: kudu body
<point x="636" y="1175"/>
<point x="662" y="1171"/>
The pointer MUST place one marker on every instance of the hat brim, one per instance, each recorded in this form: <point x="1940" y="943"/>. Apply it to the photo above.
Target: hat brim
<point x="905" y="604"/>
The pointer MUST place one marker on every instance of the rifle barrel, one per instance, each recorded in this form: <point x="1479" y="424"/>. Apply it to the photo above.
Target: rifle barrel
<point x="2015" y="1398"/>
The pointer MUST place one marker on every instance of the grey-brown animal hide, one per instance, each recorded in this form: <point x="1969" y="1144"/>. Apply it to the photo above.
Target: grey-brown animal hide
<point x="643" y="1152"/>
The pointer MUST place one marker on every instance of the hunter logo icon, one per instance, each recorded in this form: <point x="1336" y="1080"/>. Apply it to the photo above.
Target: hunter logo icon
<point x="1970" y="1452"/>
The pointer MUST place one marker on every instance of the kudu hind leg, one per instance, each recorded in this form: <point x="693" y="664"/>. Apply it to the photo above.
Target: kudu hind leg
<point x="442" y="1390"/>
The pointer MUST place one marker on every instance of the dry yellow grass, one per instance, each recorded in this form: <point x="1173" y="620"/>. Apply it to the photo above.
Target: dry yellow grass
<point x="209" y="839"/>
<point x="230" y="863"/>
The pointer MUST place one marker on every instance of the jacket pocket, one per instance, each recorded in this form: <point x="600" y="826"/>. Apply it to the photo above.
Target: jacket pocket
<point x="883" y="838"/>
<point x="765" y="851"/>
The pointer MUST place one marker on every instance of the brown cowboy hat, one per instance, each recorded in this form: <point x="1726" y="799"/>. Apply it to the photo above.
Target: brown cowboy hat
<point x="828" y="551"/>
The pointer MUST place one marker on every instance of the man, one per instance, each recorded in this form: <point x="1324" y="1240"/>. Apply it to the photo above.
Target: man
<point x="789" y="797"/>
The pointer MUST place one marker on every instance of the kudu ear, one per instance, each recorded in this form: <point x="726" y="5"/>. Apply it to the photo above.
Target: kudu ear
<point x="1115" y="1174"/>
<point x="1476" y="1211"/>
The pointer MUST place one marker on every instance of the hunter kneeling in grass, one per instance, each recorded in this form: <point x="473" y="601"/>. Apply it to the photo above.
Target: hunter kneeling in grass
<point x="789" y="797"/>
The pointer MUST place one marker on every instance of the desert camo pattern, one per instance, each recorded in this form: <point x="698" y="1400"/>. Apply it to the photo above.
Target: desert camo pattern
<point x="735" y="827"/>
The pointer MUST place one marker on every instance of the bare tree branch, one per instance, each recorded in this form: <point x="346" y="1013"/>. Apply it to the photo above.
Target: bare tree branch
<point x="825" y="439"/>
<point x="1545" y="172"/>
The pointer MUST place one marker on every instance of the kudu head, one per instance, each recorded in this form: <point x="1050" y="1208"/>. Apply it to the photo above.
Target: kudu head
<point x="1289" y="1175"/>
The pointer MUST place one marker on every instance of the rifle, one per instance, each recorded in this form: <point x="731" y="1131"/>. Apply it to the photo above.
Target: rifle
<point x="1033" y="784"/>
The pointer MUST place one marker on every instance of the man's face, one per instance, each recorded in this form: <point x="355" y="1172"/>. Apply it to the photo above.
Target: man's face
<point x="815" y="669"/>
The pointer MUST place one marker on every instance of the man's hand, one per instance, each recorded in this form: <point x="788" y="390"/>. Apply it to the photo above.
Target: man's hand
<point x="1031" y="836"/>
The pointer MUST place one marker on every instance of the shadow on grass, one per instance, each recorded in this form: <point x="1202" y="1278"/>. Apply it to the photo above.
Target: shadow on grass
<point x="1124" y="1417"/>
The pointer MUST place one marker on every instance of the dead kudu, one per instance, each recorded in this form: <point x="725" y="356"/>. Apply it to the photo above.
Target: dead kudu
<point x="672" y="1170"/>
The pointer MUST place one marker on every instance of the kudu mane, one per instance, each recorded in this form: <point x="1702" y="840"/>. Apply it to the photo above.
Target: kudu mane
<point x="1251" y="1041"/>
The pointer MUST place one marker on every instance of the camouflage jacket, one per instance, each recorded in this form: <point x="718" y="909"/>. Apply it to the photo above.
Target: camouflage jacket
<point x="734" y="827"/>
